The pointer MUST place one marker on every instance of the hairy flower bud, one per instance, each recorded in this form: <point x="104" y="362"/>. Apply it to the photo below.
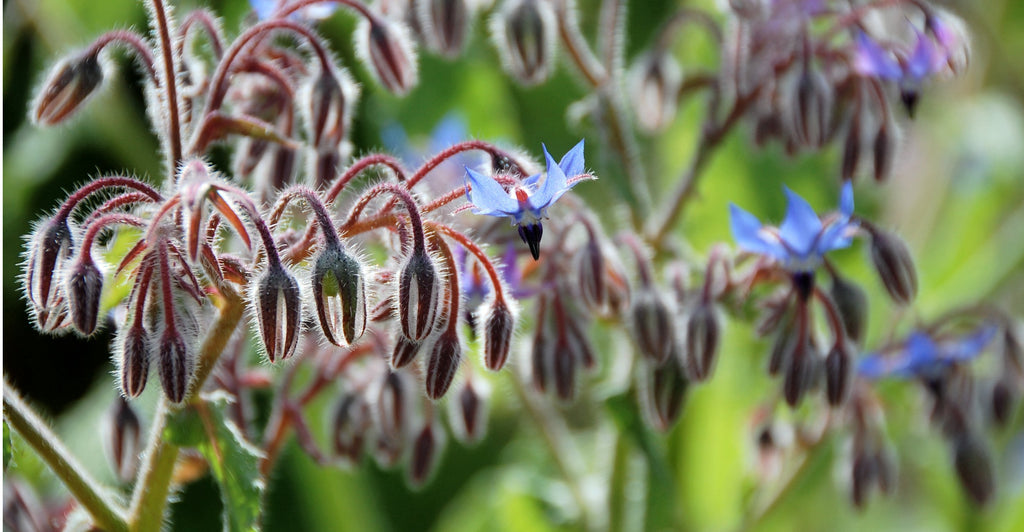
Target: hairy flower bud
<point x="838" y="374"/>
<point x="176" y="365"/>
<point x="83" y="285"/>
<point x="392" y="409"/>
<point x="47" y="253"/>
<point x="445" y="355"/>
<point x="405" y="352"/>
<point x="525" y="32"/>
<point x="590" y="268"/>
<point x="653" y="83"/>
<point x="703" y="332"/>
<point x="385" y="46"/>
<point x="851" y="150"/>
<point x="445" y="24"/>
<point x="811" y="108"/>
<point x="329" y="102"/>
<point x="467" y="414"/>
<point x="564" y="371"/>
<point x="895" y="266"/>
<point x="652" y="326"/>
<point x="340" y="295"/>
<point x="973" y="463"/>
<point x="882" y="151"/>
<point x="68" y="86"/>
<point x="801" y="374"/>
<point x="419" y="288"/>
<point x="852" y="304"/>
<point x="426" y="449"/>
<point x="122" y="439"/>
<point x="134" y="343"/>
<point x="497" y="333"/>
<point x="666" y="391"/>
<point x="349" y="423"/>
<point x="276" y="301"/>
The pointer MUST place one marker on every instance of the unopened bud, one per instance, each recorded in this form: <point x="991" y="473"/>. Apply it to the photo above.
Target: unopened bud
<point x="497" y="333"/>
<point x="1004" y="401"/>
<point x="666" y="391"/>
<point x="838" y="374"/>
<point x="525" y="32"/>
<point x="564" y="372"/>
<point x="654" y="82"/>
<point x="862" y="478"/>
<point x="385" y="46"/>
<point x="277" y="303"/>
<point x="882" y="151"/>
<point x="405" y="352"/>
<point x="652" y="326"/>
<point x="68" y="86"/>
<point x="703" y="332"/>
<point x="176" y="366"/>
<point x="392" y="408"/>
<point x="134" y="360"/>
<point x="895" y="266"/>
<point x="445" y="356"/>
<point x="418" y="295"/>
<point x="973" y="464"/>
<point x="349" y="423"/>
<point x="851" y="150"/>
<point x="782" y="348"/>
<point x="329" y="105"/>
<point x="122" y="441"/>
<point x="48" y="252"/>
<point x="340" y="295"/>
<point x="426" y="449"/>
<point x="84" y="284"/>
<point x="590" y="268"/>
<point x="852" y="304"/>
<point x="445" y="25"/>
<point x="801" y="374"/>
<point x="468" y="412"/>
<point x="812" y="108"/>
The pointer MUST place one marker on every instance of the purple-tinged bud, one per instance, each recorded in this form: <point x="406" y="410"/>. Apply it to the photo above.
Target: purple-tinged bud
<point x="703" y="332"/>
<point x="426" y="449"/>
<point x="277" y="304"/>
<point x="838" y="374"/>
<point x="852" y="304"/>
<point x="882" y="151"/>
<point x="83" y="285"/>
<point x="497" y="333"/>
<point x="68" y="86"/>
<point x="122" y="441"/>
<point x="895" y="266"/>
<point x="329" y="100"/>
<point x="666" y="389"/>
<point x="340" y="295"/>
<point x="349" y="424"/>
<point x="973" y="463"/>
<point x="652" y="326"/>
<point x="468" y="412"/>
<point x="405" y="352"/>
<point x="134" y="343"/>
<point x="801" y="374"/>
<point x="385" y="46"/>
<point x="326" y="162"/>
<point x="564" y="362"/>
<point x="445" y="356"/>
<point x="445" y="25"/>
<point x="1004" y="401"/>
<point x="176" y="365"/>
<point x="590" y="268"/>
<point x="419" y="288"/>
<point x="524" y="32"/>
<point x="653" y="83"/>
<point x="392" y="406"/>
<point x="812" y="108"/>
<point x="47" y="254"/>
<point x="851" y="150"/>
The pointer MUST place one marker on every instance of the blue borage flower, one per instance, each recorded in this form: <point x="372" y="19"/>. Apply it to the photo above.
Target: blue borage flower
<point x="526" y="202"/>
<point x="266" y="9"/>
<point x="925" y="356"/>
<point x="802" y="240"/>
<point x="928" y="57"/>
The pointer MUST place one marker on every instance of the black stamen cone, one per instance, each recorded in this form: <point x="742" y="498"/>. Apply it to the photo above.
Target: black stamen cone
<point x="531" y="233"/>
<point x="803" y="282"/>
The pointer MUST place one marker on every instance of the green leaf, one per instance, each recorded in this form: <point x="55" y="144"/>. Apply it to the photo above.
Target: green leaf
<point x="233" y="460"/>
<point x="8" y="453"/>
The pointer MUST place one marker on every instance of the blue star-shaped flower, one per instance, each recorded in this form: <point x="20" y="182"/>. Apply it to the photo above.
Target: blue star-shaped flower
<point x="803" y="238"/>
<point x="923" y="356"/>
<point x="927" y="58"/>
<point x="527" y="202"/>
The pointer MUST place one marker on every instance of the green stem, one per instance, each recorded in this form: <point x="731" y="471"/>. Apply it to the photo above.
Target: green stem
<point x="105" y="513"/>
<point x="617" y="492"/>
<point x="814" y="457"/>
<point x="154" y="484"/>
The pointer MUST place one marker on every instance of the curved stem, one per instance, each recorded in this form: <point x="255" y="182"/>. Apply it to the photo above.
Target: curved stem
<point x="104" y="512"/>
<point x="376" y="159"/>
<point x="135" y="42"/>
<point x="101" y="183"/>
<point x="170" y="82"/>
<point x="207" y="21"/>
<point x="466" y="242"/>
<point x="582" y="56"/>
<point x="419" y="245"/>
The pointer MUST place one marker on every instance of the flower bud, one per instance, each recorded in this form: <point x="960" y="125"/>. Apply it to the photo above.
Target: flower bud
<point x="703" y="331"/>
<point x="405" y="352"/>
<point x="652" y="326"/>
<point x="468" y="413"/>
<point x="385" y="46"/>
<point x="851" y="150"/>
<point x="666" y="391"/>
<point x="328" y="108"/>
<point x="782" y="348"/>
<point x="895" y="266"/>
<point x="973" y="464"/>
<point x="84" y="284"/>
<point x="176" y="365"/>
<point x="801" y="374"/>
<point x="426" y="449"/>
<point x="445" y="25"/>
<point x="392" y="409"/>
<point x="68" y="86"/>
<point x="838" y="374"/>
<point x="590" y="268"/>
<point x="653" y="83"/>
<point x="852" y="304"/>
<point x="340" y="295"/>
<point x="47" y="254"/>
<point x="134" y="343"/>
<point x="882" y="151"/>
<point x="349" y="423"/>
<point x="445" y="355"/>
<point x="1004" y="401"/>
<point x="525" y="32"/>
<point x="497" y="333"/>
<point x="862" y="478"/>
<point x="812" y="108"/>
<point x="123" y="437"/>
<point x="418" y="294"/>
<point x="276" y="301"/>
<point x="564" y="366"/>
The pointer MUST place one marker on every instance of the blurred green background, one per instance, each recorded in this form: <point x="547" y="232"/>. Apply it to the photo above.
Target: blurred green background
<point x="957" y="196"/>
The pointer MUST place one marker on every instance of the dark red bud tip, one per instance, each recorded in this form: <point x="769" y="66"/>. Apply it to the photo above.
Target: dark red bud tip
<point x="469" y="414"/>
<point x="565" y="373"/>
<point x="418" y="296"/>
<point x="122" y="439"/>
<point x="652" y="326"/>
<point x="176" y="366"/>
<point x="392" y="410"/>
<point x="590" y="268"/>
<point x="801" y="374"/>
<point x="68" y="86"/>
<point x="405" y="352"/>
<point x="134" y="361"/>
<point x="445" y="355"/>
<point x="703" y="333"/>
<point x="498" y="335"/>
<point x="424" y="457"/>
<point x="812" y="108"/>
<point x="895" y="266"/>
<point x="386" y="47"/>
<point x="48" y="252"/>
<point x="277" y="304"/>
<point x="1004" y="401"/>
<point x="445" y="25"/>
<point x="349" y="424"/>
<point x="340" y="295"/>
<point x="84" y="284"/>
<point x="525" y="32"/>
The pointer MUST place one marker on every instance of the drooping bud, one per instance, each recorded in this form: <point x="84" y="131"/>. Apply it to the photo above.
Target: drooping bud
<point x="418" y="295"/>
<point x="703" y="332"/>
<point x="590" y="268"/>
<point x="782" y="348"/>
<point x="445" y="25"/>
<point x="47" y="254"/>
<point x="445" y="355"/>
<point x="84" y="284"/>
<point x="801" y="374"/>
<point x="811" y="108"/>
<point x="277" y="302"/>
<point x="497" y="333"/>
<point x="653" y="84"/>
<point x="852" y="304"/>
<point x="68" y="86"/>
<point x="405" y="352"/>
<point x="851" y="149"/>
<point x="176" y="365"/>
<point x="564" y="362"/>
<point x="329" y="108"/>
<point x="895" y="266"/>
<point x="467" y="414"/>
<point x="349" y="423"/>
<point x="122" y="441"/>
<point x="385" y="46"/>
<point x="973" y="463"/>
<point x="426" y="449"/>
<point x="882" y="151"/>
<point x="525" y="32"/>
<point x="134" y="343"/>
<point x="392" y="410"/>
<point x="838" y="374"/>
<point x="340" y="295"/>
<point x="652" y="325"/>
<point x="666" y="391"/>
<point x="862" y="478"/>
<point x="1004" y="401"/>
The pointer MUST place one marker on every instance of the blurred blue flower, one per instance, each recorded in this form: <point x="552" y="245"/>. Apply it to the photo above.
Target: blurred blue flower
<point x="803" y="238"/>
<point x="265" y="9"/>
<point x="927" y="58"/>
<point x="924" y="356"/>
<point x="527" y="203"/>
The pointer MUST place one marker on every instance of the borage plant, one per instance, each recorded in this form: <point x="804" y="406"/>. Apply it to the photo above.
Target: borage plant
<point x="277" y="261"/>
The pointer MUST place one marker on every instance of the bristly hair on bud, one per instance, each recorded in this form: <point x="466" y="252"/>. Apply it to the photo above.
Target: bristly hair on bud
<point x="350" y="422"/>
<point x="340" y="294"/>
<point x="653" y="82"/>
<point x="47" y="253"/>
<point x="277" y="304"/>
<point x="497" y="331"/>
<point x="384" y="45"/>
<point x="330" y="99"/>
<point x="525" y="33"/>
<point x="467" y="414"/>
<point x="894" y="264"/>
<point x="653" y="325"/>
<point x="445" y="24"/>
<point x="443" y="362"/>
<point x="83" y="286"/>
<point x="176" y="365"/>
<point x="68" y="86"/>
<point x="419" y="290"/>
<point x="703" y="331"/>
<point x="133" y="343"/>
<point x="664" y="390"/>
<point x="122" y="437"/>
<point x="425" y="453"/>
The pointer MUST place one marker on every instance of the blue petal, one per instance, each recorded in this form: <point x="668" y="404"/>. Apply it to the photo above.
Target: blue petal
<point x="746" y="230"/>
<point x="872" y="366"/>
<point x="921" y="62"/>
<point x="970" y="346"/>
<point x="264" y="8"/>
<point x="450" y="131"/>
<point x="801" y="227"/>
<point x="488" y="196"/>
<point x="873" y="60"/>
<point x="553" y="187"/>
<point x="572" y="162"/>
<point x="531" y="182"/>
<point x="846" y="200"/>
